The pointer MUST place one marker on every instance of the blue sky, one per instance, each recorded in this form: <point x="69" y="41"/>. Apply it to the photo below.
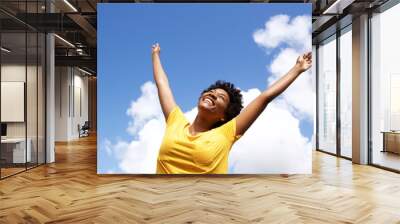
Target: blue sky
<point x="200" y="43"/>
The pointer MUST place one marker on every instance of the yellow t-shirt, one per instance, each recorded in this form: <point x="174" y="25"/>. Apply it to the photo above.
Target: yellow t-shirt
<point x="205" y="152"/>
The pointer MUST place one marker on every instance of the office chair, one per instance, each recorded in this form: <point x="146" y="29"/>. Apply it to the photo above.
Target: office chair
<point x="84" y="130"/>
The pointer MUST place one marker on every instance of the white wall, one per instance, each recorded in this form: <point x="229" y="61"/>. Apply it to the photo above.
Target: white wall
<point x="61" y="103"/>
<point x="70" y="84"/>
<point x="80" y="89"/>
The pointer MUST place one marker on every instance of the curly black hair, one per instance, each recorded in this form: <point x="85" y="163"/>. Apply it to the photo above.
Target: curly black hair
<point x="235" y="100"/>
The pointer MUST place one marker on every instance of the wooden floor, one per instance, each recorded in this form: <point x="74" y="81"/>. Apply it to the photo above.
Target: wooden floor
<point x="70" y="191"/>
<point x="10" y="171"/>
<point x="388" y="159"/>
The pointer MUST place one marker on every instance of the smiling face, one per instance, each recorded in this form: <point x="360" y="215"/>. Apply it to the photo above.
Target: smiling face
<point x="213" y="104"/>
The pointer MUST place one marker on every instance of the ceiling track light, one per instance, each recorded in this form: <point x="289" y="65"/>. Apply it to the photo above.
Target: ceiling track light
<point x="70" y="5"/>
<point x="65" y="41"/>
<point x="5" y="50"/>
<point x="337" y="7"/>
<point x="84" y="71"/>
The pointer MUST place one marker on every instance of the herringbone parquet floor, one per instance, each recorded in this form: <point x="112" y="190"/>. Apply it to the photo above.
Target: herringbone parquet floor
<point x="70" y="191"/>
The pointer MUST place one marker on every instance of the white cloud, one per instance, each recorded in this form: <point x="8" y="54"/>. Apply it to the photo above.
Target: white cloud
<point x="294" y="35"/>
<point x="280" y="30"/>
<point x="273" y="144"/>
<point x="301" y="94"/>
<point x="140" y="155"/>
<point x="108" y="146"/>
<point x="146" y="126"/>
<point x="145" y="108"/>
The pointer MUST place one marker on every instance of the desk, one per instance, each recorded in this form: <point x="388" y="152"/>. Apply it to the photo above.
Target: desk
<point x="391" y="141"/>
<point x="16" y="147"/>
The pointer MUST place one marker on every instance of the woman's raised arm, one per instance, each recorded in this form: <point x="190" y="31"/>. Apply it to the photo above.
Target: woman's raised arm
<point x="250" y="113"/>
<point x="165" y="95"/>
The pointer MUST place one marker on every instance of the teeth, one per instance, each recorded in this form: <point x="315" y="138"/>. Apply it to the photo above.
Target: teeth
<point x="209" y="101"/>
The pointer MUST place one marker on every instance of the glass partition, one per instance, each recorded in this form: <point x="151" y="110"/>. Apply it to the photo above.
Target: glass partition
<point x="327" y="95"/>
<point x="22" y="90"/>
<point x="13" y="108"/>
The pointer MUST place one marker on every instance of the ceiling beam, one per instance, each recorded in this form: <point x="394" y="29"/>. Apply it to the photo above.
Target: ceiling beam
<point x="86" y="26"/>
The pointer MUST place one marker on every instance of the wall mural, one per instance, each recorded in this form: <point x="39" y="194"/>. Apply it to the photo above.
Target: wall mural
<point x="173" y="79"/>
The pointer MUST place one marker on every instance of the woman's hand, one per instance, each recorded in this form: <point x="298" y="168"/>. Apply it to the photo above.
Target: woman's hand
<point x="155" y="49"/>
<point x="304" y="62"/>
<point x="250" y="113"/>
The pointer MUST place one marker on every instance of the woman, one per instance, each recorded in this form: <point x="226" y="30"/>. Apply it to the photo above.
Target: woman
<point x="203" y="146"/>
